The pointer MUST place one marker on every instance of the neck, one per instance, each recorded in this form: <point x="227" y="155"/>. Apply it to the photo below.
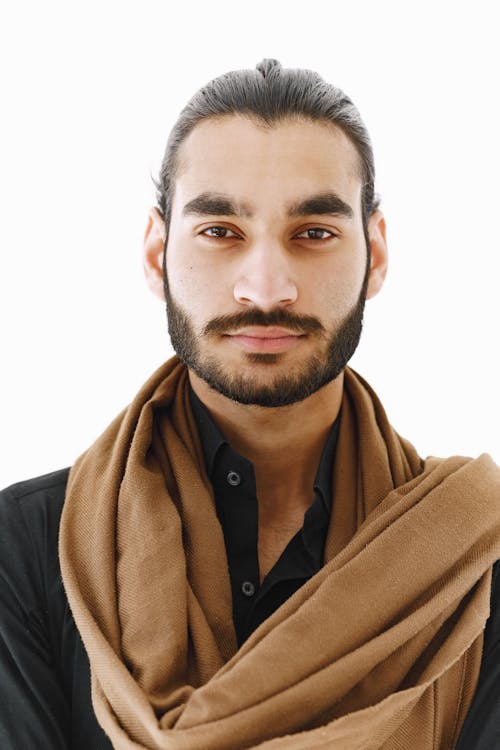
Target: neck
<point x="284" y="443"/>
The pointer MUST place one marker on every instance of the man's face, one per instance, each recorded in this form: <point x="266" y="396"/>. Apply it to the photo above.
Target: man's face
<point x="266" y="258"/>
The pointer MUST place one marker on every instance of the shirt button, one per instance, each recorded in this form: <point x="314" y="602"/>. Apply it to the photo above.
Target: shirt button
<point x="233" y="478"/>
<point x="248" y="588"/>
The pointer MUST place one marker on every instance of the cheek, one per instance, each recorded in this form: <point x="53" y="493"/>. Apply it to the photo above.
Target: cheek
<point x="180" y="273"/>
<point x="334" y="291"/>
<point x="193" y="288"/>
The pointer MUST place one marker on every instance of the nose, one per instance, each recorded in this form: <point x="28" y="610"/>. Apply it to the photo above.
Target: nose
<point x="265" y="279"/>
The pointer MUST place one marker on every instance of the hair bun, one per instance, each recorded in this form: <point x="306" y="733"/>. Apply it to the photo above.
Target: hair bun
<point x="268" y="65"/>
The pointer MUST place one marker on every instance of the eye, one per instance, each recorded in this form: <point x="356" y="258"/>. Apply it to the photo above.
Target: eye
<point x="316" y="233"/>
<point x="218" y="232"/>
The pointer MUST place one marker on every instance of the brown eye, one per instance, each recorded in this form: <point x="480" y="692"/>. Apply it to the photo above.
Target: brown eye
<point x="218" y="232"/>
<point x="316" y="233"/>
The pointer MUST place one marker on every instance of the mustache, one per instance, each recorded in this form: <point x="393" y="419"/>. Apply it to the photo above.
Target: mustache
<point x="255" y="317"/>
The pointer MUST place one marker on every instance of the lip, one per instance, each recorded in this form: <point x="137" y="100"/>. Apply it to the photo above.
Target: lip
<point x="269" y="339"/>
<point x="266" y="332"/>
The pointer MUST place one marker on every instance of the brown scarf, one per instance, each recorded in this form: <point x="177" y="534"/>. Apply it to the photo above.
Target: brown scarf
<point x="380" y="649"/>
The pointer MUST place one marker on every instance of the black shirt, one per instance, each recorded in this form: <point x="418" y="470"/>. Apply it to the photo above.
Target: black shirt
<point x="233" y="480"/>
<point x="45" y="701"/>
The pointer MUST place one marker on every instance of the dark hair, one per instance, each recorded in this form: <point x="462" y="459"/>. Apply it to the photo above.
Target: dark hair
<point x="270" y="94"/>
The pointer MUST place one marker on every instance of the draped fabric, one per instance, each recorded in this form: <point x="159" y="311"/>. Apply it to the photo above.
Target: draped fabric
<point x="380" y="649"/>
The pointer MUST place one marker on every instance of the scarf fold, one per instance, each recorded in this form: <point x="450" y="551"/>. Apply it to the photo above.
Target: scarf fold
<point x="381" y="649"/>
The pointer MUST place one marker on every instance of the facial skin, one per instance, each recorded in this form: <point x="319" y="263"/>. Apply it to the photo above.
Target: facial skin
<point x="266" y="306"/>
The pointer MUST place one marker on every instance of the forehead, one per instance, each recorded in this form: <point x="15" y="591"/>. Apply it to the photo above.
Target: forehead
<point x="259" y="164"/>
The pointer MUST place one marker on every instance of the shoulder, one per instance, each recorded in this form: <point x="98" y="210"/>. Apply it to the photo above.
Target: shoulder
<point x="30" y="513"/>
<point x="32" y="509"/>
<point x="33" y="500"/>
<point x="38" y="487"/>
<point x="496" y="576"/>
<point x="492" y="632"/>
<point x="491" y="644"/>
<point x="480" y="729"/>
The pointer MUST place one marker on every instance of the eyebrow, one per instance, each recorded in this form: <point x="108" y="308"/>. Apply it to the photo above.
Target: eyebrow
<point x="322" y="203"/>
<point x="219" y="204"/>
<point x="215" y="204"/>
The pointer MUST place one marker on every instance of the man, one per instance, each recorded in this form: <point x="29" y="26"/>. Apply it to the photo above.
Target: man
<point x="250" y="556"/>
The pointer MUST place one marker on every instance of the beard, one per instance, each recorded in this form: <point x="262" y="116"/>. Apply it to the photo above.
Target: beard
<point x="281" y="389"/>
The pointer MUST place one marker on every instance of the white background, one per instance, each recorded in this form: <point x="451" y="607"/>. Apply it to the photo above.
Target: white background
<point x="90" y="91"/>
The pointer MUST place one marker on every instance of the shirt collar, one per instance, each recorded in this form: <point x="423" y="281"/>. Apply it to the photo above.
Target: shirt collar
<point x="323" y="481"/>
<point x="212" y="439"/>
<point x="210" y="435"/>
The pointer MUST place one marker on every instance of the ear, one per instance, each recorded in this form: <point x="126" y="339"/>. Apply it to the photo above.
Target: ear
<point x="154" y="241"/>
<point x="379" y="255"/>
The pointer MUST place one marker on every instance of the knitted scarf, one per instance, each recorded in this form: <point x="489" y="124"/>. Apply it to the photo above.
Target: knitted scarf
<point x="380" y="649"/>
